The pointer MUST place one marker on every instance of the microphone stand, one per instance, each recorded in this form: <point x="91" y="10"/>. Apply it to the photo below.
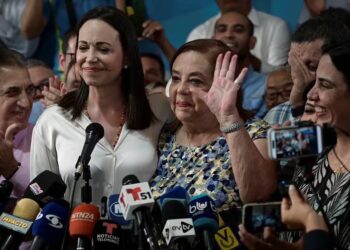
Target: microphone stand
<point x="86" y="193"/>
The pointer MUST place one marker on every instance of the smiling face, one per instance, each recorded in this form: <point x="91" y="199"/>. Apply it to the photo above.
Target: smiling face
<point x="16" y="96"/>
<point x="330" y="94"/>
<point x="234" y="30"/>
<point x="191" y="71"/>
<point x="99" y="54"/>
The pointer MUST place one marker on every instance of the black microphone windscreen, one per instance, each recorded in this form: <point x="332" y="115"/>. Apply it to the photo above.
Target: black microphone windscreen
<point x="173" y="209"/>
<point x="95" y="129"/>
<point x="6" y="187"/>
<point x="46" y="186"/>
<point x="106" y="235"/>
<point x="130" y="179"/>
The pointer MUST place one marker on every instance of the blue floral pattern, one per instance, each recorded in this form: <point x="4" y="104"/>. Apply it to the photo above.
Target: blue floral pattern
<point x="203" y="169"/>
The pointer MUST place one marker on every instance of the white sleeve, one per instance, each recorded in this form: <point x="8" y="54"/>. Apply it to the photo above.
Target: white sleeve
<point x="194" y="34"/>
<point x="280" y="44"/>
<point x="160" y="106"/>
<point x="42" y="155"/>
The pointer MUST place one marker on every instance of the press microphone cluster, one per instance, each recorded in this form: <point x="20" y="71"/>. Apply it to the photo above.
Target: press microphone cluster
<point x="17" y="225"/>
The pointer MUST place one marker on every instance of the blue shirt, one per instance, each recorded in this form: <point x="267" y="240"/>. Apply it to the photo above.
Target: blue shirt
<point x="37" y="109"/>
<point x="253" y="92"/>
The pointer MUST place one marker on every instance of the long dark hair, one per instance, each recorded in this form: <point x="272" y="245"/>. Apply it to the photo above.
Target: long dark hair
<point x="211" y="48"/>
<point x="340" y="56"/>
<point x="139" y="113"/>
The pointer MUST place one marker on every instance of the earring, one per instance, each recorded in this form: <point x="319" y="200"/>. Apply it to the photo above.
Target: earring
<point x="126" y="66"/>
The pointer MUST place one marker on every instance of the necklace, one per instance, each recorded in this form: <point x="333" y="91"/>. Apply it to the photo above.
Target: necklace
<point x="340" y="161"/>
<point x="120" y="125"/>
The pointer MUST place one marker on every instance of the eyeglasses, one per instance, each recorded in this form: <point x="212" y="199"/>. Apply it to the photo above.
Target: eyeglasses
<point x="39" y="88"/>
<point x="16" y="91"/>
<point x="274" y="95"/>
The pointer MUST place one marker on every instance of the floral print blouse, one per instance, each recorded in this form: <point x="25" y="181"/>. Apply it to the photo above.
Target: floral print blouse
<point x="203" y="169"/>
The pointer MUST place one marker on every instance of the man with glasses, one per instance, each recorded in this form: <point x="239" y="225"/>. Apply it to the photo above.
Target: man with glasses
<point x="279" y="84"/>
<point x="40" y="75"/>
<point x="68" y="50"/>
<point x="16" y="98"/>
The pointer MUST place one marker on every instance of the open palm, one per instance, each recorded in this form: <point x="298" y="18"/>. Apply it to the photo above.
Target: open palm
<point x="222" y="96"/>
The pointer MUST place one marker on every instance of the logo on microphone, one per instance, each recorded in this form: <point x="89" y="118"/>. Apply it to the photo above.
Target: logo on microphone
<point x="54" y="220"/>
<point x="197" y="207"/>
<point x="84" y="216"/>
<point x="35" y="188"/>
<point x="186" y="227"/>
<point x="109" y="227"/>
<point x="115" y="209"/>
<point x="39" y="216"/>
<point x="226" y="239"/>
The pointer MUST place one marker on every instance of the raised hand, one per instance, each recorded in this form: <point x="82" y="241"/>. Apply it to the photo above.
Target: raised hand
<point x="8" y="163"/>
<point x="298" y="214"/>
<point x="222" y="96"/>
<point x="153" y="30"/>
<point x="302" y="76"/>
<point x="53" y="93"/>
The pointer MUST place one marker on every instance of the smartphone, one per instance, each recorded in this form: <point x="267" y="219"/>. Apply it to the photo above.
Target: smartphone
<point x="295" y="142"/>
<point x="256" y="216"/>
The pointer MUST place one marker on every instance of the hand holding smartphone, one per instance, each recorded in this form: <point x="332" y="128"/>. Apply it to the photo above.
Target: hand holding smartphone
<point x="295" y="142"/>
<point x="256" y="216"/>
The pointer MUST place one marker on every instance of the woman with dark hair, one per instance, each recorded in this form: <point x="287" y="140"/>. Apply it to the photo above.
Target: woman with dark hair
<point x="329" y="191"/>
<point x="218" y="148"/>
<point x="112" y="93"/>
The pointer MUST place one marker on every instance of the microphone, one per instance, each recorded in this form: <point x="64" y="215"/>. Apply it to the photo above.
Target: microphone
<point x="114" y="212"/>
<point x="6" y="187"/>
<point x="5" y="191"/>
<point x="178" y="230"/>
<point x="106" y="235"/>
<point x="82" y="223"/>
<point x="94" y="132"/>
<point x="48" y="228"/>
<point x="19" y="222"/>
<point x="134" y="196"/>
<point x="136" y="201"/>
<point x="45" y="187"/>
<point x="177" y="192"/>
<point x="203" y="212"/>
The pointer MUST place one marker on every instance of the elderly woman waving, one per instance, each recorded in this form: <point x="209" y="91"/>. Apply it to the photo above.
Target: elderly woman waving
<point x="218" y="148"/>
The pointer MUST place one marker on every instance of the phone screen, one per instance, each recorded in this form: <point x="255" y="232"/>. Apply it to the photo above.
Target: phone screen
<point x="293" y="142"/>
<point x="256" y="216"/>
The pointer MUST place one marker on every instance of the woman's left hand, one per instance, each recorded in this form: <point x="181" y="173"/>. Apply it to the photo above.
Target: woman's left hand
<point x="222" y="96"/>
